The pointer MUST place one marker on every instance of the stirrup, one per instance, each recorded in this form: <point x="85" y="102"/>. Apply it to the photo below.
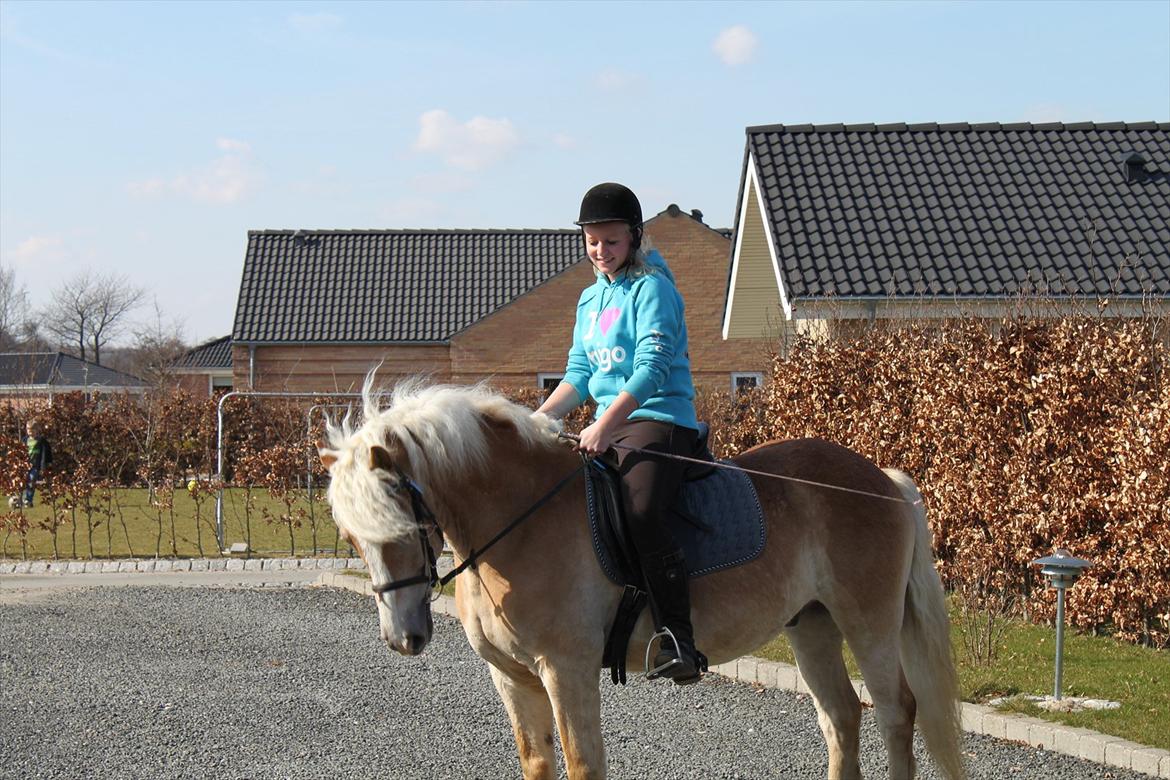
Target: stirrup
<point x="659" y="671"/>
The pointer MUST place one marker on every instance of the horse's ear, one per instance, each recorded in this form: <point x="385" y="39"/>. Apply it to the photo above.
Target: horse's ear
<point x="328" y="457"/>
<point x="380" y="458"/>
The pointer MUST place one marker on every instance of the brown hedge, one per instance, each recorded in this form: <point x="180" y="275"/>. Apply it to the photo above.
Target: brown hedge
<point x="1023" y="435"/>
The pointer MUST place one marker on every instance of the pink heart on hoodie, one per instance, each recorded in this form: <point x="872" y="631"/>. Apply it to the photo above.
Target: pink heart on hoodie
<point x="608" y="318"/>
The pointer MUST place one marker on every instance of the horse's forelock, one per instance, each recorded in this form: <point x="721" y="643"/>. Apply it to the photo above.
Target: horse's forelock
<point x="438" y="434"/>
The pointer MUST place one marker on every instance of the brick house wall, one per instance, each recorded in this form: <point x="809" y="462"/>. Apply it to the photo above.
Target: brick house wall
<point x="195" y="384"/>
<point x="335" y="367"/>
<point x="527" y="337"/>
<point x="699" y="256"/>
<point x="531" y="335"/>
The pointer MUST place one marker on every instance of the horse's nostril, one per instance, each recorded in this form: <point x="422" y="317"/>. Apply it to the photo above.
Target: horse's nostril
<point x="415" y="644"/>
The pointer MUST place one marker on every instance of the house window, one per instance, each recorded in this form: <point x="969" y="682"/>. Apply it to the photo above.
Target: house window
<point x="746" y="380"/>
<point x="548" y="382"/>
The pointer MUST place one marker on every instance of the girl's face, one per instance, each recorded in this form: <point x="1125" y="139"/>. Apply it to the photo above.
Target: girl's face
<point x="608" y="246"/>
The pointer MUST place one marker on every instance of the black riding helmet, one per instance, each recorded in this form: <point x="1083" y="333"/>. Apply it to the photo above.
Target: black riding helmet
<point x="611" y="202"/>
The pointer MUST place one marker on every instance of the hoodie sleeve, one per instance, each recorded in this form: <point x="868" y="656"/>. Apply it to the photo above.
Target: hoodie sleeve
<point x="658" y="322"/>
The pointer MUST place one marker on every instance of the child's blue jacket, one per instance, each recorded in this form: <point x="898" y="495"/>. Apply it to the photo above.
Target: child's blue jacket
<point x="631" y="335"/>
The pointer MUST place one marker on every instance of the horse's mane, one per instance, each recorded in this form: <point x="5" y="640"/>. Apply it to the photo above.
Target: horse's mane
<point x="441" y="429"/>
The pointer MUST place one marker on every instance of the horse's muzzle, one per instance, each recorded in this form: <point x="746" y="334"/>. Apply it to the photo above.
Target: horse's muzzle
<point x="412" y="645"/>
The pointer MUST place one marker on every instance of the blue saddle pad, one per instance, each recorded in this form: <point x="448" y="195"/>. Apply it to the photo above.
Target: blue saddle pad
<point x="729" y="530"/>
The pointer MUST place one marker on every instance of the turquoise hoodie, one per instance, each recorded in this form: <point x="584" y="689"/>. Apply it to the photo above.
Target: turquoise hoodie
<point x="631" y="335"/>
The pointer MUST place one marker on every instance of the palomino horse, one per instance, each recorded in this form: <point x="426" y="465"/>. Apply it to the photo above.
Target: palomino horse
<point x="536" y="606"/>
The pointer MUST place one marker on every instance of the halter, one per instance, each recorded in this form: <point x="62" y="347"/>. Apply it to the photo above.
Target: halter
<point x="425" y="520"/>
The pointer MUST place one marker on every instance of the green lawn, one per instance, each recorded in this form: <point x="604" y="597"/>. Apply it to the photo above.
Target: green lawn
<point x="1099" y="667"/>
<point x="133" y="530"/>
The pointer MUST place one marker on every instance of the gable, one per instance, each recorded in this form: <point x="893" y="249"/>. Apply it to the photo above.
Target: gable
<point x="755" y="290"/>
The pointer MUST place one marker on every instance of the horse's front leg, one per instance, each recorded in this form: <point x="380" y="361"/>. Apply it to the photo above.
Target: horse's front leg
<point x="576" y="701"/>
<point x="531" y="714"/>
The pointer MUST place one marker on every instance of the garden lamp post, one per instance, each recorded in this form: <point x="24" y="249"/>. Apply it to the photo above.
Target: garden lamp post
<point x="1062" y="570"/>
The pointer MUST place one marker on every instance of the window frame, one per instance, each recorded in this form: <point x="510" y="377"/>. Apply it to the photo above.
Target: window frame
<point x="542" y="377"/>
<point x="758" y="376"/>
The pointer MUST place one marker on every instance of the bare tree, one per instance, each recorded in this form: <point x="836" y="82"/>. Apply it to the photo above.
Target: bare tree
<point x="68" y="314"/>
<point x="158" y="342"/>
<point x="13" y="309"/>
<point x="113" y="298"/>
<point x="89" y="310"/>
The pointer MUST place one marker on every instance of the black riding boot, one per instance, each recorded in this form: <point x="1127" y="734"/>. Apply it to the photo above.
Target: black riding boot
<point x="670" y="603"/>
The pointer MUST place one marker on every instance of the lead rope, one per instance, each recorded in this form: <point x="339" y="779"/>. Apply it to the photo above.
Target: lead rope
<point x="731" y="467"/>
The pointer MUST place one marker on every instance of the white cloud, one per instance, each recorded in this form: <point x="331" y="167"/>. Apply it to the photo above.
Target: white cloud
<point x="37" y="251"/>
<point x="227" y="179"/>
<point x="312" y="23"/>
<point x="735" y="45"/>
<point x="232" y="145"/>
<point x="614" y="80"/>
<point x="472" y="145"/>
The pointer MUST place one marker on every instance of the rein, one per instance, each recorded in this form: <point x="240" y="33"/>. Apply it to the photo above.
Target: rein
<point x="425" y="519"/>
<point x="731" y="467"/>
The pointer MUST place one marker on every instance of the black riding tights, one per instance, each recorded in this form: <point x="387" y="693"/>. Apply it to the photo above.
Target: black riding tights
<point x="650" y="484"/>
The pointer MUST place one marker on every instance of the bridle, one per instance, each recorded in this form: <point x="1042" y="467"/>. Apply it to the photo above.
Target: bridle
<point x="424" y="518"/>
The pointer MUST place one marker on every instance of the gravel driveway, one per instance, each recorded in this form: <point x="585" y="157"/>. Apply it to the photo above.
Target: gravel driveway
<point x="156" y="682"/>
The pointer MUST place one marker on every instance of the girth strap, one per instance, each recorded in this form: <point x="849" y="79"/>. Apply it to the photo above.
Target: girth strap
<point x="632" y="603"/>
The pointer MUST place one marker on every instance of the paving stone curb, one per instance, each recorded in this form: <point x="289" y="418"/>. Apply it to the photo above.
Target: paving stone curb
<point x="976" y="718"/>
<point x="180" y="564"/>
<point x="980" y="719"/>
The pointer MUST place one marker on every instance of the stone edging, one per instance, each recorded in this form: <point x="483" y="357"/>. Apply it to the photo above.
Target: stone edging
<point x="976" y="718"/>
<point x="178" y="565"/>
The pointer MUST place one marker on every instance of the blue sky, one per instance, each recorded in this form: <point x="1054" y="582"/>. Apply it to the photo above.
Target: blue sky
<point x="148" y="138"/>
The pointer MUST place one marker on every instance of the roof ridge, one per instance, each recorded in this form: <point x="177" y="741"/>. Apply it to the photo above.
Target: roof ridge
<point x="954" y="127"/>
<point x="409" y="231"/>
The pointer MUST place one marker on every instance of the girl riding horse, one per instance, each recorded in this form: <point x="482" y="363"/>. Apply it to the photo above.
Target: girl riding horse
<point x="629" y="353"/>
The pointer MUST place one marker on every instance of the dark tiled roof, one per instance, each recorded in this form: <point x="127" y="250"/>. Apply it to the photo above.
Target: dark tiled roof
<point x="56" y="369"/>
<point x="967" y="210"/>
<point x="389" y="285"/>
<point x="216" y="353"/>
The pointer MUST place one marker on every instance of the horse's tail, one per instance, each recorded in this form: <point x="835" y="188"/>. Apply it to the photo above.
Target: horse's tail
<point x="926" y="645"/>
